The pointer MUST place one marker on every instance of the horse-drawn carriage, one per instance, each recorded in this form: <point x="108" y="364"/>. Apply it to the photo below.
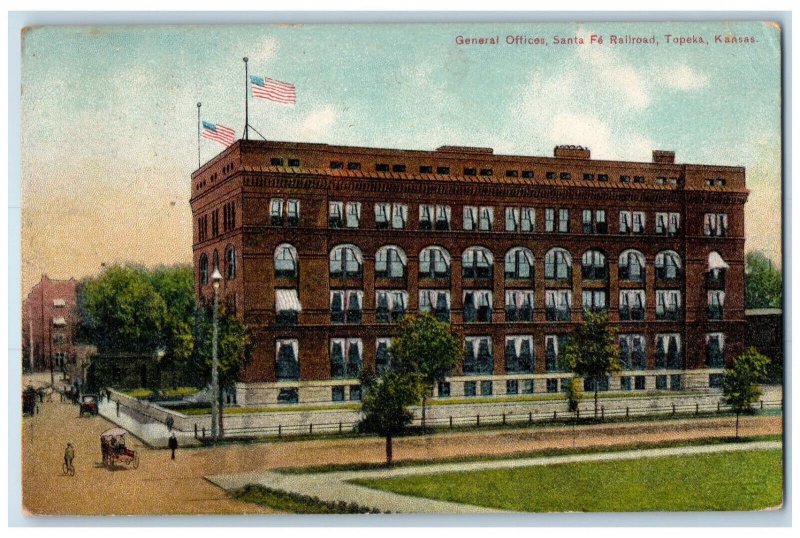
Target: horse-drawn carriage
<point x="112" y="445"/>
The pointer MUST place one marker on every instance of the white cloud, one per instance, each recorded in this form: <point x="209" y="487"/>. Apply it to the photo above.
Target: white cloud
<point x="683" y="77"/>
<point x="264" y="52"/>
<point x="317" y="124"/>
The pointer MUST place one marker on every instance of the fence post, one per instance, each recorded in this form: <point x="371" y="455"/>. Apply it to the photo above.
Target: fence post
<point x="311" y="429"/>
<point x="673" y="409"/>
<point x="340" y="426"/>
<point x="530" y="417"/>
<point x="451" y="422"/>
<point x="627" y="412"/>
<point x="602" y="412"/>
<point x="762" y="403"/>
<point x="204" y="433"/>
<point x="554" y="414"/>
<point x="279" y="430"/>
<point x="577" y="412"/>
<point x="504" y="419"/>
<point x="478" y="419"/>
<point x="195" y="430"/>
<point x="697" y="409"/>
<point x="717" y="407"/>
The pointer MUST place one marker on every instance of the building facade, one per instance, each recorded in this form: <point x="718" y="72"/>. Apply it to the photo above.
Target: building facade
<point x="323" y="248"/>
<point x="49" y="320"/>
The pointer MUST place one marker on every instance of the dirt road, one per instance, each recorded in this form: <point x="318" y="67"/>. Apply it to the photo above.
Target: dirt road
<point x="161" y="486"/>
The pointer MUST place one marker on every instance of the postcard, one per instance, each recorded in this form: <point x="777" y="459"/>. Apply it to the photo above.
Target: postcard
<point x="448" y="268"/>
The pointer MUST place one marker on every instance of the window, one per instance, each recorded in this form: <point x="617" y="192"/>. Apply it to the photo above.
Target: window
<point x="398" y="168"/>
<point x="230" y="262"/>
<point x="287" y="364"/>
<point x="558" y="265"/>
<point x="631" y="305"/>
<point x="399" y="216"/>
<point x="215" y="258"/>
<point x="486" y="388"/>
<point x="355" y="393"/>
<point x="390" y="306"/>
<point x="470" y="217"/>
<point x="476" y="262"/>
<point x="486" y="219"/>
<point x="276" y="161"/>
<point x="661" y="382"/>
<point x="394" y="214"/>
<point x="594" y="265"/>
<point x="434" y="217"/>
<point x="558" y="305"/>
<point x="470" y="388"/>
<point x="553" y="347"/>
<point x="661" y="180"/>
<point x="486" y="171"/>
<point x="353" y="166"/>
<point x="527" y="386"/>
<point x="715" y="224"/>
<point x="602" y="177"/>
<point x="346" y="306"/>
<point x="632" y="266"/>
<point x="715" y="381"/>
<point x="668" y="223"/>
<point x="229" y="216"/>
<point x="276" y="211"/>
<point x="346" y="262"/>
<point x="519" y="264"/>
<point x="715" y="350"/>
<point x="625" y="383"/>
<point x="382" y="215"/>
<point x="215" y="223"/>
<point x="434" y="262"/>
<point x="668" y="304"/>
<point x="594" y="301"/>
<point x="470" y="171"/>
<point x="625" y="179"/>
<point x="520" y="219"/>
<point x="594" y="222"/>
<point x="436" y="302"/>
<point x="294" y="163"/>
<point x="638" y="179"/>
<point x="668" y="265"/>
<point x="382" y="357"/>
<point x="293" y="212"/>
<point x="717" y="267"/>
<point x="527" y="174"/>
<point x="337" y="394"/>
<point x="202" y="228"/>
<point x="551" y="223"/>
<point x="390" y="262"/>
<point x="512" y="386"/>
<point x="550" y="175"/>
<point x="443" y="389"/>
<point x="287" y="305"/>
<point x="346" y="357"/>
<point x="549" y="219"/>
<point x="381" y="167"/>
<point x="203" y="270"/>
<point x="519" y="354"/>
<point x="442" y="217"/>
<point x="426" y="217"/>
<point x="632" y="354"/>
<point x="512" y="173"/>
<point x="631" y="222"/>
<point x="668" y="351"/>
<point x="336" y="165"/>
<point x="588" y="177"/>
<point x="675" y="382"/>
<point x="478" y="355"/>
<point x="442" y="169"/>
<point x="639" y="382"/>
<point x="288" y="396"/>
<point x="353" y="210"/>
<point x="519" y="305"/>
<point x="285" y="261"/>
<point x="716" y="302"/>
<point x="563" y="220"/>
<point x="552" y="385"/>
<point x="590" y="383"/>
<point x="426" y="169"/>
<point x="477" y="306"/>
<point x="335" y="214"/>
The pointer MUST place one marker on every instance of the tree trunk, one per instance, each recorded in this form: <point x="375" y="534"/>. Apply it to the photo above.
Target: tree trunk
<point x="424" y="400"/>
<point x="595" y="398"/>
<point x="389" y="450"/>
<point x="220" y="414"/>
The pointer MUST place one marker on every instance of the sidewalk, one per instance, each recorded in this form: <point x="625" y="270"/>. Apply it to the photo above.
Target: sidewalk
<point x="336" y="486"/>
<point x="151" y="432"/>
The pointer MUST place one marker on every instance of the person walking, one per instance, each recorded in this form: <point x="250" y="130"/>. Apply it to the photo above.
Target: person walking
<point x="173" y="444"/>
<point x="69" y="455"/>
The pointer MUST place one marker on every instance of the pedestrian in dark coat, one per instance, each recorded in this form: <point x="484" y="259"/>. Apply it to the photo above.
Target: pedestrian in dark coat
<point x="173" y="444"/>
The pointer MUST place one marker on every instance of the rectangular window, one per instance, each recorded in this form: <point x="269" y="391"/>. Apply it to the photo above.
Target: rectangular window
<point x="676" y="382"/>
<point x="668" y="223"/>
<point x="382" y="358"/>
<point x="553" y="348"/>
<point x="486" y="171"/>
<point x="549" y="219"/>
<point x="588" y="177"/>
<point x="594" y="301"/>
<point x="287" y="363"/>
<point x="470" y="217"/>
<point x="528" y="219"/>
<point x="716" y="301"/>
<point x="470" y="388"/>
<point x="565" y="175"/>
<point x="519" y="354"/>
<point x="442" y="217"/>
<point x="353" y="166"/>
<point x="399" y="216"/>
<point x="443" y="170"/>
<point x="552" y="385"/>
<point x="558" y="305"/>
<point x="512" y="386"/>
<point x="550" y="175"/>
<point x="335" y="214"/>
<point x="625" y="179"/>
<point x="293" y="212"/>
<point x="602" y="177"/>
<point x="398" y="168"/>
<point x="486" y="219"/>
<point x="382" y="215"/>
<point x="276" y="161"/>
<point x="715" y="224"/>
<point x="527" y="174"/>
<point x="668" y="351"/>
<point x="337" y="394"/>
<point x="470" y="171"/>
<point x="639" y="382"/>
<point x="425" y="217"/>
<point x="631" y="305"/>
<point x="353" y="210"/>
<point x="288" y="396"/>
<point x="436" y="302"/>
<point x="563" y="220"/>
<point x="625" y="383"/>
<point x="443" y="389"/>
<point x="594" y="222"/>
<point x="346" y="356"/>
<point x="668" y="304"/>
<point x="477" y="306"/>
<point x="638" y="179"/>
<point x="527" y="386"/>
<point x="381" y="167"/>
<point x="336" y="165"/>
<point x="715" y="350"/>
<point x="276" y="211"/>
<point x="294" y="163"/>
<point x="661" y="382"/>
<point x="512" y="173"/>
<point x="426" y="169"/>
<point x="512" y="219"/>
<point x="355" y="393"/>
<point x="519" y="305"/>
<point x="486" y="388"/>
<point x="390" y="305"/>
<point x="478" y="358"/>
<point x="715" y="381"/>
<point x="346" y="306"/>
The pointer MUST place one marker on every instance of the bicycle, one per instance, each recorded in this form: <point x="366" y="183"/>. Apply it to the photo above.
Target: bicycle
<point x="68" y="469"/>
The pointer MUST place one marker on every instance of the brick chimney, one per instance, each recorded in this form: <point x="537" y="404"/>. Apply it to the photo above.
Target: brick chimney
<point x="572" y="152"/>
<point x="663" y="157"/>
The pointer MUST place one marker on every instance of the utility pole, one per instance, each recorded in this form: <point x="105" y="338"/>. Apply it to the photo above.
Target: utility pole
<point x="216" y="277"/>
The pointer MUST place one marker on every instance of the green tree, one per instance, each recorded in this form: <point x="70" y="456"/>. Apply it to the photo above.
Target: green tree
<point x="120" y="310"/>
<point x="233" y="348"/>
<point x="741" y="385"/>
<point x="385" y="403"/>
<point x="762" y="282"/>
<point x="425" y="347"/>
<point x="592" y="352"/>
<point x="574" y="393"/>
<point x="175" y="285"/>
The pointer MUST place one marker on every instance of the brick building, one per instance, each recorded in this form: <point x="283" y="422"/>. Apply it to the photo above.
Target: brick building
<point x="49" y="319"/>
<point x="323" y="247"/>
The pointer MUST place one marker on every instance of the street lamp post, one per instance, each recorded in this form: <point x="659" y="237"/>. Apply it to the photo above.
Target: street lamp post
<point x="215" y="277"/>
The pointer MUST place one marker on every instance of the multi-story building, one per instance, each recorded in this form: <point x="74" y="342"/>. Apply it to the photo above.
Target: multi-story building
<point x="49" y="319"/>
<point x="323" y="248"/>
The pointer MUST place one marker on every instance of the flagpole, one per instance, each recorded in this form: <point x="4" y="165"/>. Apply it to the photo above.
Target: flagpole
<point x="246" y="99"/>
<point x="198" y="133"/>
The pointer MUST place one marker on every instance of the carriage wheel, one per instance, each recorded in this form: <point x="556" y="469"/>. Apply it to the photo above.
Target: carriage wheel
<point x="135" y="461"/>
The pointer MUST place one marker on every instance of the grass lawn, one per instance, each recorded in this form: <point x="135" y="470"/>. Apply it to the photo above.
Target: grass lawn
<point x="750" y="480"/>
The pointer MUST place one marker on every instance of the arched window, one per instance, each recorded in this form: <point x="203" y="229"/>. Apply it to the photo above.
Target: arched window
<point x="390" y="262"/>
<point x="519" y="263"/>
<point x="434" y="262"/>
<point x="476" y="262"/>
<point x="668" y="265"/>
<point x="285" y="261"/>
<point x="203" y="270"/>
<point x="346" y="261"/>
<point x="717" y="267"/>
<point x="558" y="264"/>
<point x="594" y="265"/>
<point x="631" y="266"/>
<point x="216" y="259"/>
<point x="230" y="262"/>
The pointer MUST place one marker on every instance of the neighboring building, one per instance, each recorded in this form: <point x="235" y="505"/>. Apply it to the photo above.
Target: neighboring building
<point x="322" y="248"/>
<point x="765" y="333"/>
<point x="49" y="321"/>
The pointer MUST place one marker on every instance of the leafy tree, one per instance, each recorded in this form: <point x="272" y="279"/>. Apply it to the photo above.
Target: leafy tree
<point x="385" y="403"/>
<point x="592" y="352"/>
<point x="741" y="384"/>
<point x="762" y="282"/>
<point x="574" y="394"/>
<point x="425" y="347"/>
<point x="175" y="285"/>
<point x="233" y="348"/>
<point x="120" y="310"/>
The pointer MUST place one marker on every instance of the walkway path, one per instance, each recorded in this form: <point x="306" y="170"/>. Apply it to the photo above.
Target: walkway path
<point x="336" y="486"/>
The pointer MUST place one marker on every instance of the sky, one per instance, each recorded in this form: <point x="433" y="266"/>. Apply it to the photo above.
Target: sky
<point x="109" y="114"/>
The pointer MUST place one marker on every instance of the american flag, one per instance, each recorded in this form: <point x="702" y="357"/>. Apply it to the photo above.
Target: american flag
<point x="218" y="133"/>
<point x="273" y="90"/>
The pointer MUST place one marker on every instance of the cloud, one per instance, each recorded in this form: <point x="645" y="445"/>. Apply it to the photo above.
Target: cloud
<point x="264" y="52"/>
<point x="683" y="77"/>
<point x="317" y="124"/>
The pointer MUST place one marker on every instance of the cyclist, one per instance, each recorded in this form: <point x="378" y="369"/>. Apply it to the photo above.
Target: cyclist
<point x="69" y="455"/>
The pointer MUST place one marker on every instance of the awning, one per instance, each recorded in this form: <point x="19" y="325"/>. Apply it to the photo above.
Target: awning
<point x="715" y="261"/>
<point x="59" y="322"/>
<point x="287" y="300"/>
